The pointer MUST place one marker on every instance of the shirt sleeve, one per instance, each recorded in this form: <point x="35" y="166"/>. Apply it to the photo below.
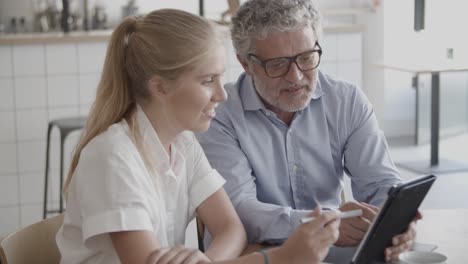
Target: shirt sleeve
<point x="111" y="194"/>
<point x="263" y="222"/>
<point x="367" y="158"/>
<point x="206" y="180"/>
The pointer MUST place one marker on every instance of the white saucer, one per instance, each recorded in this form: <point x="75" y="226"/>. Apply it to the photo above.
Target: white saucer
<point x="418" y="257"/>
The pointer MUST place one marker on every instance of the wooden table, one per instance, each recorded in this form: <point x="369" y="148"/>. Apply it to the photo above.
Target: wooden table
<point x="446" y="228"/>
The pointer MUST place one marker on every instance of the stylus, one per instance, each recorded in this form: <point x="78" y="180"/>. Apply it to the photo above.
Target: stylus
<point x="341" y="215"/>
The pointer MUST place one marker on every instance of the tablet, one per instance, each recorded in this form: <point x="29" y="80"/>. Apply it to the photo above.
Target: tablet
<point x="398" y="211"/>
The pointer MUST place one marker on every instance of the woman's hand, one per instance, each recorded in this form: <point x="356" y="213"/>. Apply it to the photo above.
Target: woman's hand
<point x="177" y="255"/>
<point x="310" y="242"/>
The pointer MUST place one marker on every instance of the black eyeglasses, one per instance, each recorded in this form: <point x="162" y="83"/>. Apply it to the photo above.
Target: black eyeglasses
<point x="278" y="67"/>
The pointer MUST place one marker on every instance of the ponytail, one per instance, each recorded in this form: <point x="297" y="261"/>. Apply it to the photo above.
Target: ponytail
<point x="114" y="99"/>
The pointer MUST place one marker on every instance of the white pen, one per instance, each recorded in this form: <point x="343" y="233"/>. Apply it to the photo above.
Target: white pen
<point x="341" y="215"/>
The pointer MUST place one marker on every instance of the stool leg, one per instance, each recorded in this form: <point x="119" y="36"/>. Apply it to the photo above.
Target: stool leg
<point x="62" y="142"/>
<point x="46" y="177"/>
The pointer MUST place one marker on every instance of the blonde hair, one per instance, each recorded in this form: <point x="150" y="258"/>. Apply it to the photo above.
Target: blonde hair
<point x="166" y="43"/>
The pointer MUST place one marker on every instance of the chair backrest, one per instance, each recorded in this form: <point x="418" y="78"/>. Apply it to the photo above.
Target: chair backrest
<point x="32" y="244"/>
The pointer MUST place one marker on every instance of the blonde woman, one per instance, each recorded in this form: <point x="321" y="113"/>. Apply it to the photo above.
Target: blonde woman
<point x="138" y="175"/>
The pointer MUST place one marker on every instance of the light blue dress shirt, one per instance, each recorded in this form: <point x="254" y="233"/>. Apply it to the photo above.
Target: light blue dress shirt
<point x="274" y="171"/>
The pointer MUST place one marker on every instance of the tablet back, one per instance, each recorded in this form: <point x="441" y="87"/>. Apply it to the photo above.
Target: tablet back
<point x="398" y="211"/>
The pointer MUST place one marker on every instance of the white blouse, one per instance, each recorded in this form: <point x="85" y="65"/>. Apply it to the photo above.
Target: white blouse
<point x="112" y="190"/>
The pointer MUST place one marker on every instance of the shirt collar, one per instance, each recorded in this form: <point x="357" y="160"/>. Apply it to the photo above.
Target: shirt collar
<point x="249" y="95"/>
<point x="150" y="140"/>
<point x="252" y="100"/>
<point x="318" y="91"/>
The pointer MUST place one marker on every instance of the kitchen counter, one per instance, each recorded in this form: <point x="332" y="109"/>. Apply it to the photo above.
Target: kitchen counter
<point x="54" y="37"/>
<point x="104" y="35"/>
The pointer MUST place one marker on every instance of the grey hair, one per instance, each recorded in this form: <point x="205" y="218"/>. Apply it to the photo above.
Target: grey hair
<point x="255" y="19"/>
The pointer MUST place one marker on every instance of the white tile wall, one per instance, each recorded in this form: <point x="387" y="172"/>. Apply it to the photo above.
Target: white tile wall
<point x="9" y="191"/>
<point x="31" y="156"/>
<point x="63" y="90"/>
<point x="8" y="162"/>
<point x="88" y="87"/>
<point x="7" y="98"/>
<point x="30" y="92"/>
<point x="28" y="60"/>
<point x="61" y="59"/>
<point x="7" y="132"/>
<point x="63" y="112"/>
<point x="31" y="124"/>
<point x="38" y="83"/>
<point x="31" y="188"/>
<point x="30" y="214"/>
<point x="84" y="109"/>
<point x="10" y="220"/>
<point x="91" y="57"/>
<point x="5" y="61"/>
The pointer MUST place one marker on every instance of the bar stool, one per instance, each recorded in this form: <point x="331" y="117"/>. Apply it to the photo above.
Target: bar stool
<point x="65" y="126"/>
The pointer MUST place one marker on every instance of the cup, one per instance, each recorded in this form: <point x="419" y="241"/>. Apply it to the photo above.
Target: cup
<point x="419" y="257"/>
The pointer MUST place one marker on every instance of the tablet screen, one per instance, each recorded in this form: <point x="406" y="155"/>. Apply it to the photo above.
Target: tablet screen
<point x="398" y="211"/>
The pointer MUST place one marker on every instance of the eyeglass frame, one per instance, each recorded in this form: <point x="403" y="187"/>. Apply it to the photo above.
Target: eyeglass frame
<point x="290" y="59"/>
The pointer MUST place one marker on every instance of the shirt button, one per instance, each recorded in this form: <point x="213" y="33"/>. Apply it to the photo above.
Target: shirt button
<point x="295" y="167"/>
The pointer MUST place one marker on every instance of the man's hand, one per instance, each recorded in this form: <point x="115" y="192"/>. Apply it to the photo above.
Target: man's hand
<point x="352" y="230"/>
<point x="402" y="242"/>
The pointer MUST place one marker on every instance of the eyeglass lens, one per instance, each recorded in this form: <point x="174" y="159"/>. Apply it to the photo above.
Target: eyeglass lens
<point x="306" y="62"/>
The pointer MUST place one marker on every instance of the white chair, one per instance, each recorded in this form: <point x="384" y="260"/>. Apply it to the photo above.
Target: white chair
<point x="32" y="244"/>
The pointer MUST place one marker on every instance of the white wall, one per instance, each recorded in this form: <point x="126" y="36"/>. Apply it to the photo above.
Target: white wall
<point x="373" y="47"/>
<point x="402" y="47"/>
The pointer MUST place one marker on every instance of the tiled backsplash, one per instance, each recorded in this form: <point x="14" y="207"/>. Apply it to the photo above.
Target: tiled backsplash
<point x="42" y="82"/>
<point x="39" y="83"/>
